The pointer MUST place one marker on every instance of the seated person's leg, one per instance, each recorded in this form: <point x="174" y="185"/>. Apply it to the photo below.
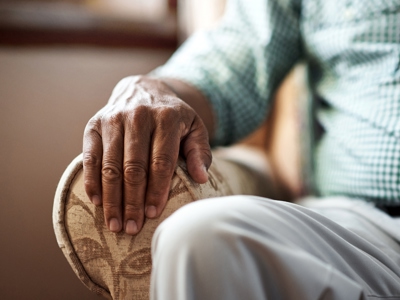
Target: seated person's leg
<point x="244" y="247"/>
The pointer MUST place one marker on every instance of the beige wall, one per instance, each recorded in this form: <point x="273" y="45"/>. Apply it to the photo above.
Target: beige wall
<point x="46" y="97"/>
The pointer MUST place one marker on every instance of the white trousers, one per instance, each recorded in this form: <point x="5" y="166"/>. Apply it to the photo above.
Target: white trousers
<point x="244" y="247"/>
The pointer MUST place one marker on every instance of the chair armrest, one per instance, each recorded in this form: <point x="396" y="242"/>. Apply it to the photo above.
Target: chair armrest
<point x="118" y="266"/>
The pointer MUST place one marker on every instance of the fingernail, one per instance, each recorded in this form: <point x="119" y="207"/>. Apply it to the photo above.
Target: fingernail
<point x="114" y="225"/>
<point x="96" y="200"/>
<point x="151" y="211"/>
<point x="131" y="227"/>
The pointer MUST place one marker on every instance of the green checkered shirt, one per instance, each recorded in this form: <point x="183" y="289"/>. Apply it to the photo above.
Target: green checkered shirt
<point x="352" y="49"/>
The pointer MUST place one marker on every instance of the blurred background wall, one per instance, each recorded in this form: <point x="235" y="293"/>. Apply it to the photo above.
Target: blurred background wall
<point x="59" y="62"/>
<point x="46" y="97"/>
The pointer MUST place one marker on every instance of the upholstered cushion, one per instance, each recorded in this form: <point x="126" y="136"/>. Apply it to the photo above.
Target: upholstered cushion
<point x="118" y="266"/>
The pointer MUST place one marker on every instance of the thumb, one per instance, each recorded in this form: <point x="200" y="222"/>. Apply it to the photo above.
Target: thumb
<point x="196" y="149"/>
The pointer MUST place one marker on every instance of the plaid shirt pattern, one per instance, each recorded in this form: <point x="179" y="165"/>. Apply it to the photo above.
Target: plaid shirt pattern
<point x="352" y="49"/>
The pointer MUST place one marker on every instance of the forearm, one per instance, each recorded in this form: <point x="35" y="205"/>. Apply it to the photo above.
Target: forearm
<point x="196" y="100"/>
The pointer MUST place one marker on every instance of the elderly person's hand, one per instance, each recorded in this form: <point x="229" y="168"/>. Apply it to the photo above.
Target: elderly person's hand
<point x="131" y="147"/>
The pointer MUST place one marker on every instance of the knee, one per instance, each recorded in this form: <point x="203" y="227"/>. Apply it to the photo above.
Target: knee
<point x="198" y="225"/>
<point x="224" y="222"/>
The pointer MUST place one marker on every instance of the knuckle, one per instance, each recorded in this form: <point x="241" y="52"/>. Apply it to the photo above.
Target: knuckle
<point x="92" y="128"/>
<point x="140" y="116"/>
<point x="89" y="183"/>
<point x="162" y="166"/>
<point x="132" y="209"/>
<point x="205" y="151"/>
<point x="142" y="110"/>
<point x="93" y="123"/>
<point x="135" y="173"/>
<point x="111" y="207"/>
<point x="167" y="114"/>
<point x="155" y="197"/>
<point x="90" y="188"/>
<point x="113" y="118"/>
<point x="111" y="173"/>
<point x="184" y="126"/>
<point x="208" y="155"/>
<point x="90" y="160"/>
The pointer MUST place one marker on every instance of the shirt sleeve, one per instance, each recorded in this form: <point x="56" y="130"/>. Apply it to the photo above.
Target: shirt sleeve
<point x="239" y="64"/>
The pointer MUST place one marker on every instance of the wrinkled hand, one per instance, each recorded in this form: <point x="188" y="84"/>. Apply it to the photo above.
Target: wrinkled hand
<point x="131" y="147"/>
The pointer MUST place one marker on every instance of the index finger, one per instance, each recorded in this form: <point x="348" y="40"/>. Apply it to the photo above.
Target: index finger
<point x="92" y="161"/>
